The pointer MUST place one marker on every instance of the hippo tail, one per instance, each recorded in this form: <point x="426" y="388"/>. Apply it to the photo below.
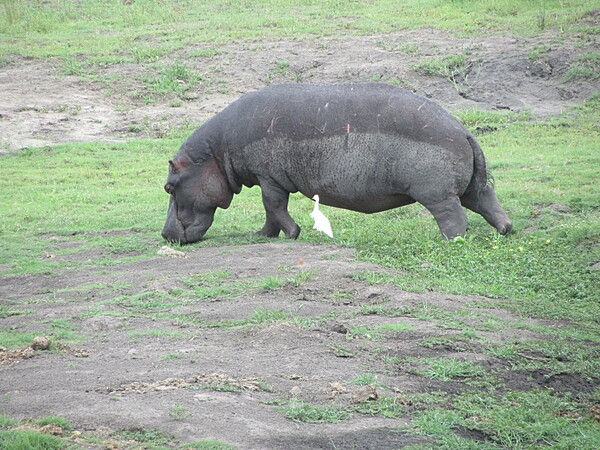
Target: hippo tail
<point x="480" y="178"/>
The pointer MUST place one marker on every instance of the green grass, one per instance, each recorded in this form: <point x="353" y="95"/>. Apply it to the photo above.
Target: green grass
<point x="24" y="439"/>
<point x="532" y="419"/>
<point x="12" y="339"/>
<point x="448" y="369"/>
<point x="149" y="436"/>
<point x="207" y="444"/>
<point x="150" y="29"/>
<point x="305" y="412"/>
<point x="27" y="440"/>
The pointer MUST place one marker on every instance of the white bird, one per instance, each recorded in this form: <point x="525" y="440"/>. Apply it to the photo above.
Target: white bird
<point x="321" y="222"/>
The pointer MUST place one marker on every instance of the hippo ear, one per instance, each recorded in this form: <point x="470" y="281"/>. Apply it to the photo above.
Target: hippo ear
<point x="171" y="166"/>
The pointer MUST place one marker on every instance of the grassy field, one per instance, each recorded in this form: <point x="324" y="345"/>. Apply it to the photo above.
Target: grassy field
<point x="109" y="195"/>
<point x="115" y="31"/>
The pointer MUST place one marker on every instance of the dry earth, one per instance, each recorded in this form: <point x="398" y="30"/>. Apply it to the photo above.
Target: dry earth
<point x="147" y="361"/>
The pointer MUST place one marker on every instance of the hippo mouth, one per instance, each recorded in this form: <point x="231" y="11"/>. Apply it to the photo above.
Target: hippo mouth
<point x="176" y="232"/>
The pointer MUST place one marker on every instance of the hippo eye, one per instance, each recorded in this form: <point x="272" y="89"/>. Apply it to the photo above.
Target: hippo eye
<point x="169" y="188"/>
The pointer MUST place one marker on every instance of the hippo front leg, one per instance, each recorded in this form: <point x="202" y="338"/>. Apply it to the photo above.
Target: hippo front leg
<point x="450" y="217"/>
<point x="275" y="200"/>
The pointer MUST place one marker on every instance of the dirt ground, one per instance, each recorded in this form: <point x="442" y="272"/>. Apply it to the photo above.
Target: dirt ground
<point x="140" y="370"/>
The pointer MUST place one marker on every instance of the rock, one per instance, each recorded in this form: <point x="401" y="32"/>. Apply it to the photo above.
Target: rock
<point x="365" y="393"/>
<point x="560" y="208"/>
<point x="335" y="389"/>
<point x="40" y="343"/>
<point x="165" y="250"/>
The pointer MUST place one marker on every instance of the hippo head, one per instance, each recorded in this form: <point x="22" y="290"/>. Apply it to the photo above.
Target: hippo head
<point x="196" y="190"/>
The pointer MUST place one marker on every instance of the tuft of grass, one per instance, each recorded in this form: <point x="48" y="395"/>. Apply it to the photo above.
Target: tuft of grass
<point x="523" y="419"/>
<point x="15" y="339"/>
<point x="304" y="412"/>
<point x="384" y="406"/>
<point x="175" y="78"/>
<point x="144" y="435"/>
<point x="207" y="444"/>
<point x="454" y="67"/>
<point x="365" y="379"/>
<point x="60" y="422"/>
<point x="587" y="67"/>
<point x="28" y="439"/>
<point x="448" y="369"/>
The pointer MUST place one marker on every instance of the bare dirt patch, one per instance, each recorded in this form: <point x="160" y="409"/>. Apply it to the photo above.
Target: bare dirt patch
<point x="154" y="347"/>
<point x="212" y="367"/>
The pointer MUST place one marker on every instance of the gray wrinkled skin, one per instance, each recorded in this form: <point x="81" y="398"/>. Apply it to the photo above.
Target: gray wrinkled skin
<point x="365" y="147"/>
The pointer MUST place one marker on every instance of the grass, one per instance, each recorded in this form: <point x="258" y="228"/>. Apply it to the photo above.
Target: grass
<point x="147" y="28"/>
<point x="25" y="440"/>
<point x="14" y="438"/>
<point x="305" y="412"/>
<point x="544" y="419"/>
<point x="450" y="369"/>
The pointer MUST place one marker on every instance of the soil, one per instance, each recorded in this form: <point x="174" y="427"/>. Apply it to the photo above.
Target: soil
<point x="208" y="379"/>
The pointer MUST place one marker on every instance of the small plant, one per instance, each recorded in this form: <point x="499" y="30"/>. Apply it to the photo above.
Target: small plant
<point x="365" y="379"/>
<point x="541" y="19"/>
<point x="282" y="67"/>
<point x="179" y="412"/>
<point x="455" y="67"/>
<point x="383" y="406"/>
<point x="587" y="67"/>
<point x="538" y="51"/>
<point x="12" y="10"/>
<point x="144" y="435"/>
<point x="207" y="444"/>
<point x="450" y="369"/>
<point x="25" y="439"/>
<point x="175" y="78"/>
<point x="342" y="351"/>
<point x="56" y="421"/>
<point x="305" y="412"/>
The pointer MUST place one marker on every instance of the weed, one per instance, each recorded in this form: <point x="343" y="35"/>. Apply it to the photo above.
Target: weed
<point x="448" y="369"/>
<point x="15" y="339"/>
<point x="207" y="444"/>
<point x="537" y="52"/>
<point x="282" y="67"/>
<point x="6" y="311"/>
<point x="56" y="421"/>
<point x="384" y="406"/>
<point x="179" y="412"/>
<point x="144" y="435"/>
<point x="341" y="351"/>
<point x="304" y="412"/>
<point x="524" y="419"/>
<point x="365" y="379"/>
<point x="587" y="67"/>
<point x="455" y="67"/>
<point x="25" y="439"/>
<point x="175" y="78"/>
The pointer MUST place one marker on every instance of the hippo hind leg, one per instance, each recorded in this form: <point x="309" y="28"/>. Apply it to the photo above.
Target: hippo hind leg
<point x="486" y="203"/>
<point x="450" y="217"/>
<point x="275" y="200"/>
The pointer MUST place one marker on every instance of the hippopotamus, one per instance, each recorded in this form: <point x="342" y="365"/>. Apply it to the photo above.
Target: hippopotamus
<point x="365" y="147"/>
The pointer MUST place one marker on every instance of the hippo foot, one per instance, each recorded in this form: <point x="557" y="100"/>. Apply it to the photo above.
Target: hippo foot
<point x="273" y="233"/>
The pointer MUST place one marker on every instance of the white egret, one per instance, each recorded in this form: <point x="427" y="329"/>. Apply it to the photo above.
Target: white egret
<point x="321" y="222"/>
